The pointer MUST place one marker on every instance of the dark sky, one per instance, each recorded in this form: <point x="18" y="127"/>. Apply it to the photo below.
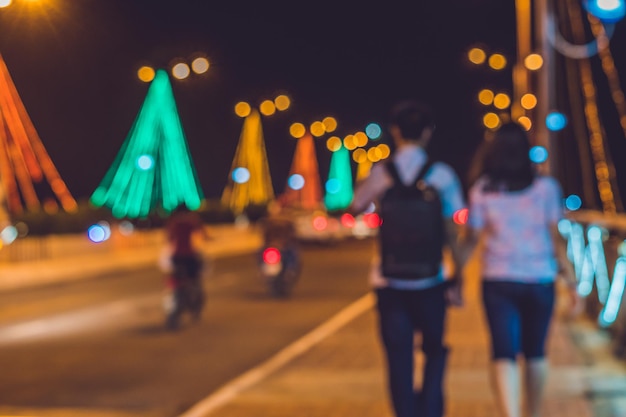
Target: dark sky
<point x="74" y="63"/>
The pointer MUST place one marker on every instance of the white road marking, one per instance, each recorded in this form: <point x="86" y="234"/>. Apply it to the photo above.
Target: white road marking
<point x="233" y="388"/>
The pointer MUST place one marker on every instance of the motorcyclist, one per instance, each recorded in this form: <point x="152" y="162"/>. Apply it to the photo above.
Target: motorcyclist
<point x="181" y="228"/>
<point x="279" y="231"/>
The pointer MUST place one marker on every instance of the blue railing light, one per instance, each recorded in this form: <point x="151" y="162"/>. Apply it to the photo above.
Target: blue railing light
<point x="608" y="11"/>
<point x="556" y="121"/>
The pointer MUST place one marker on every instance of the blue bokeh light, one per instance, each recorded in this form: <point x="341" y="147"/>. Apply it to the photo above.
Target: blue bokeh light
<point x="241" y="175"/>
<point x="145" y="162"/>
<point x="373" y="131"/>
<point x="538" y="154"/>
<point x="608" y="11"/>
<point x="333" y="186"/>
<point x="296" y="182"/>
<point x="556" y="121"/>
<point x="96" y="233"/>
<point x="573" y="202"/>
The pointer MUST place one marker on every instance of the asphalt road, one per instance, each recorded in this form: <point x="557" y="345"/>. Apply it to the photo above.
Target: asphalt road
<point x="100" y="344"/>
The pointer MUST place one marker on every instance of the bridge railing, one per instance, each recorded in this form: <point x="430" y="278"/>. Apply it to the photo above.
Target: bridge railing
<point x="597" y="248"/>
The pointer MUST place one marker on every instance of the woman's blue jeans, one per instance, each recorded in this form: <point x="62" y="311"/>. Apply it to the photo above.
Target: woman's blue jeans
<point x="402" y="313"/>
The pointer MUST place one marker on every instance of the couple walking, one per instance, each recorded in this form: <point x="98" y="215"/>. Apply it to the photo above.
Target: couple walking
<point x="513" y="214"/>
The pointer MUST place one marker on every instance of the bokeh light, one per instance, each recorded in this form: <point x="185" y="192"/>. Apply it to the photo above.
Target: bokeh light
<point x="501" y="101"/>
<point x="486" y="97"/>
<point x="556" y="121"/>
<point x="528" y="101"/>
<point x="538" y="154"/>
<point x="145" y="162"/>
<point x="526" y="123"/>
<point x="295" y="182"/>
<point x="460" y="216"/>
<point x="200" y="65"/>
<point x="297" y="130"/>
<point x="267" y="108"/>
<point x="330" y="124"/>
<point x="348" y="220"/>
<point x="318" y="129"/>
<point x="374" y="154"/>
<point x="9" y="234"/>
<point x="573" y="202"/>
<point x="476" y="56"/>
<point x="385" y="150"/>
<point x="333" y="143"/>
<point x="373" y="131"/>
<point x="360" y="139"/>
<point x="126" y="228"/>
<point x="359" y="155"/>
<point x="96" y="233"/>
<point x="349" y="142"/>
<point x="242" y="109"/>
<point x="145" y="73"/>
<point x="241" y="175"/>
<point x="282" y="102"/>
<point x="333" y="186"/>
<point x="5" y="3"/>
<point x="497" y="62"/>
<point x="533" y="62"/>
<point x="608" y="11"/>
<point x="181" y="71"/>
<point x="491" y="120"/>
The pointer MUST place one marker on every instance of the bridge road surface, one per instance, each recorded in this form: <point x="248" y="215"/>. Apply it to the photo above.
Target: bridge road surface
<point x="100" y="344"/>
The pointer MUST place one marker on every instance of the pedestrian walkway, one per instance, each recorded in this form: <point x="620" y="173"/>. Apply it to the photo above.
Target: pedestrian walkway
<point x="343" y="375"/>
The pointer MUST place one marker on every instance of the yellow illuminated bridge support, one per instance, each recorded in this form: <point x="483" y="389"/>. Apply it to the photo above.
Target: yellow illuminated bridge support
<point x="249" y="180"/>
<point x="23" y="158"/>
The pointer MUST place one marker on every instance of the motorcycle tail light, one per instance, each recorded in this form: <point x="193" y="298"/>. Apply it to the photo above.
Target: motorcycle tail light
<point x="271" y="256"/>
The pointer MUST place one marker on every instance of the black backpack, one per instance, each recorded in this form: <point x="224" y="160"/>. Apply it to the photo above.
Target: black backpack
<point x="412" y="232"/>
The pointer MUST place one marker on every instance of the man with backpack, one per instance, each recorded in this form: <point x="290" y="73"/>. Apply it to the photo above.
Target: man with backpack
<point x="416" y="199"/>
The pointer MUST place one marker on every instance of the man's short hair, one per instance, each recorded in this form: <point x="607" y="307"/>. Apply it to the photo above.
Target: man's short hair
<point x="411" y="117"/>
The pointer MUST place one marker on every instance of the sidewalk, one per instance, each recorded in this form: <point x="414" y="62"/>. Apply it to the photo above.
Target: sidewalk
<point x="343" y="375"/>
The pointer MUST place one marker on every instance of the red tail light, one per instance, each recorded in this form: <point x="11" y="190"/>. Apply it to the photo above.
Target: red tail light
<point x="271" y="256"/>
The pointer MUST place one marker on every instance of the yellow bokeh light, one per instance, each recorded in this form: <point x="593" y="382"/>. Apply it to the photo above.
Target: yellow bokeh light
<point x="533" y="62"/>
<point x="360" y="139"/>
<point x="374" y="154"/>
<point x="282" y="102"/>
<point x="525" y="122"/>
<point x="318" y="129"/>
<point x="5" y="3"/>
<point x="528" y="101"/>
<point x="385" y="150"/>
<point x="181" y="71"/>
<point x="501" y="101"/>
<point x="491" y="120"/>
<point x="497" y="61"/>
<point x="485" y="97"/>
<point x="297" y="130"/>
<point x="476" y="56"/>
<point x="146" y="74"/>
<point x="330" y="124"/>
<point x="349" y="142"/>
<point x="333" y="143"/>
<point x="267" y="108"/>
<point x="242" y="109"/>
<point x="200" y="65"/>
<point x="359" y="155"/>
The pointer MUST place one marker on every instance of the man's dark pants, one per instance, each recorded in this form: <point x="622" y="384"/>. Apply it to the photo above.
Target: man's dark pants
<point x="401" y="314"/>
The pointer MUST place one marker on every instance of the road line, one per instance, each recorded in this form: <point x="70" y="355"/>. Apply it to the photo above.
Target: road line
<point x="233" y="388"/>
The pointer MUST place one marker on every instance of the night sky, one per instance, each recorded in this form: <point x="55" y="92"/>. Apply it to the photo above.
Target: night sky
<point x="74" y="63"/>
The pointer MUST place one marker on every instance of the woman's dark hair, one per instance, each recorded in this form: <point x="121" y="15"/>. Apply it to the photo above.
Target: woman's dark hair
<point x="505" y="160"/>
<point x="411" y="117"/>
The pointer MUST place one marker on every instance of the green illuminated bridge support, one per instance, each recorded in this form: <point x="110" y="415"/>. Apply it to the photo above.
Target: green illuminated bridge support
<point x="154" y="168"/>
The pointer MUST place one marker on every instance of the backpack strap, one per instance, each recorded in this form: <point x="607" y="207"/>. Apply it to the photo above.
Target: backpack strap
<point x="429" y="163"/>
<point x="393" y="171"/>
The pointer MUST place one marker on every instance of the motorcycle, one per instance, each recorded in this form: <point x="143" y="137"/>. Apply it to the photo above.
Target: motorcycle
<point x="183" y="293"/>
<point x="280" y="269"/>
